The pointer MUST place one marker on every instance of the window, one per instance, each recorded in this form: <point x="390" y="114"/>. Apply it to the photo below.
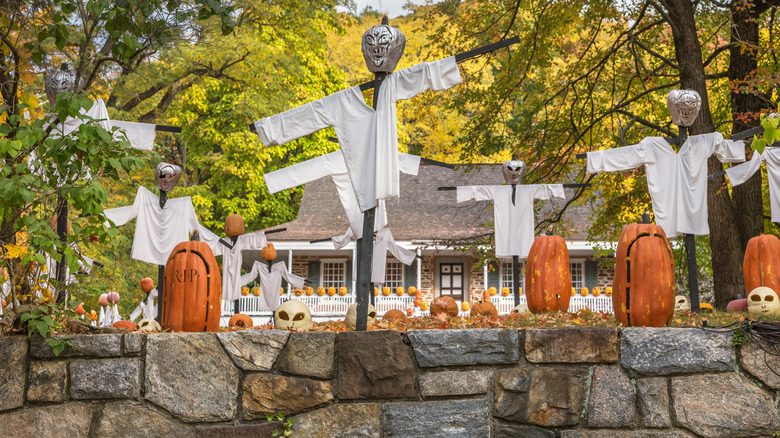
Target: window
<point x="394" y="274"/>
<point x="334" y="273"/>
<point x="452" y="279"/>
<point x="506" y="275"/>
<point x="577" y="275"/>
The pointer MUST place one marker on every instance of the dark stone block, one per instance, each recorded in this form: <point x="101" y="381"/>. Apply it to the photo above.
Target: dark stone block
<point x="374" y="364"/>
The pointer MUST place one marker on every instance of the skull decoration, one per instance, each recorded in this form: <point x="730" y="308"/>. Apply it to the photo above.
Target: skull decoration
<point x="520" y="309"/>
<point x="58" y="81"/>
<point x="684" y="106"/>
<point x="167" y="176"/>
<point x="763" y="301"/>
<point x="514" y="171"/>
<point x="383" y="46"/>
<point x="293" y="315"/>
<point x="681" y="303"/>
<point x="352" y="315"/>
<point x="148" y="325"/>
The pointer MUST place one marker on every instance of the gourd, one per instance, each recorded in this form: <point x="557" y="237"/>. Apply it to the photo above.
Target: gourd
<point x="240" y="320"/>
<point x="644" y="292"/>
<point x="193" y="289"/>
<point x="394" y="315"/>
<point x="483" y="308"/>
<point x="761" y="265"/>
<point x="147" y="284"/>
<point x="547" y="275"/>
<point x="234" y="225"/>
<point x="445" y="305"/>
<point x="268" y="253"/>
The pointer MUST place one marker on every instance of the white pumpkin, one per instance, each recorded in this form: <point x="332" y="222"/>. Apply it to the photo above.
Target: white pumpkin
<point x="352" y="315"/>
<point x="148" y="325"/>
<point x="681" y="303"/>
<point x="293" y="315"/>
<point x="763" y="301"/>
<point x="520" y="309"/>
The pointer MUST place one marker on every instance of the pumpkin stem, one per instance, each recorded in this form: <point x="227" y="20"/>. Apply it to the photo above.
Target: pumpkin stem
<point x="549" y="231"/>
<point x="195" y="236"/>
<point x="646" y="217"/>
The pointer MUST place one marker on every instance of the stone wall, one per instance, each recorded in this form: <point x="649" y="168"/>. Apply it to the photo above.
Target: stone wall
<point x="569" y="383"/>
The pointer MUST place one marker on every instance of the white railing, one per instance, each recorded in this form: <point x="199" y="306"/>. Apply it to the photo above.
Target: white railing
<point x="383" y="303"/>
<point x="601" y="303"/>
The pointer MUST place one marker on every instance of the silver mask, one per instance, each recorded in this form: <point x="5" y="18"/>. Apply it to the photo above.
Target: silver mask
<point x="167" y="176"/>
<point x="514" y="171"/>
<point x="383" y="46"/>
<point x="684" y="106"/>
<point x="58" y="81"/>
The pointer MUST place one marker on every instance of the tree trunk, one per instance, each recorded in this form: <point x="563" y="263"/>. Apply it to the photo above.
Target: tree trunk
<point x="725" y="244"/>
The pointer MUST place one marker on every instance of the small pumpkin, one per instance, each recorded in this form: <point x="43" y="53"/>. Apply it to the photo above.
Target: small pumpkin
<point x="492" y="290"/>
<point x="505" y="291"/>
<point x="445" y="305"/>
<point x="386" y="291"/>
<point x="417" y="302"/>
<point x="256" y="291"/>
<point x="320" y="291"/>
<point x="424" y="306"/>
<point x="410" y="311"/>
<point x="298" y="292"/>
<point x="596" y="291"/>
<point x="343" y="290"/>
<point x="309" y="290"/>
<point x="608" y="291"/>
<point x="393" y="315"/>
<point x="103" y="300"/>
<point x="245" y="291"/>
<point x="268" y="253"/>
<point x="376" y="291"/>
<point x="399" y="291"/>
<point x="706" y="306"/>
<point x="584" y="291"/>
<point x="79" y="309"/>
<point x="128" y="325"/>
<point x="520" y="291"/>
<point x="486" y="295"/>
<point x="281" y="291"/>
<point x="234" y="225"/>
<point x="573" y="291"/>
<point x="94" y="316"/>
<point x="739" y="305"/>
<point x="483" y="308"/>
<point x="412" y="290"/>
<point x="331" y="291"/>
<point x="147" y="284"/>
<point x="465" y="306"/>
<point x="240" y="320"/>
<point x="113" y="297"/>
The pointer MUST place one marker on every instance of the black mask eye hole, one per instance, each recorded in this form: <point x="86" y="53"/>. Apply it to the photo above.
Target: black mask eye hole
<point x="299" y="316"/>
<point x="755" y="298"/>
<point x="769" y="298"/>
<point x="680" y="301"/>
<point x="372" y="314"/>
<point x="283" y="315"/>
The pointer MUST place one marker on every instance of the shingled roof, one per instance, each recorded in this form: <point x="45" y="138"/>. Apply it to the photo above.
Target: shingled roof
<point x="421" y="213"/>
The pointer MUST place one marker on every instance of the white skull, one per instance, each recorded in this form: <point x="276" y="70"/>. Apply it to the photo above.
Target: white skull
<point x="681" y="303"/>
<point x="352" y="315"/>
<point x="684" y="106"/>
<point x="383" y="46"/>
<point x="148" y="325"/>
<point x="513" y="171"/>
<point x="763" y="301"/>
<point x="520" y="309"/>
<point x="167" y="176"/>
<point x="293" y="315"/>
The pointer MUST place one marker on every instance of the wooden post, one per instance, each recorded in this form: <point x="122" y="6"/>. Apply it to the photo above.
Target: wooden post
<point x="690" y="245"/>
<point x="62" y="265"/>
<point x="516" y="278"/>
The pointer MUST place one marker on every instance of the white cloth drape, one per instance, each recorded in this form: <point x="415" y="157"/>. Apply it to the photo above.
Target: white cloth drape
<point x="514" y="224"/>
<point x="677" y="181"/>
<point x="147" y="308"/>
<point x="384" y="242"/>
<point x="271" y="282"/>
<point x="368" y="138"/>
<point x="232" y="260"/>
<point x="739" y="174"/>
<point x="158" y="230"/>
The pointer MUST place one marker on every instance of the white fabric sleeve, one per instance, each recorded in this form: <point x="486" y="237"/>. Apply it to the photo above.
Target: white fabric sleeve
<point x="384" y="242"/>
<point x="343" y="240"/>
<point x="295" y="123"/>
<point x="437" y="76"/>
<point x="251" y="275"/>
<point x="730" y="151"/>
<point x="548" y="191"/>
<point x="476" y="193"/>
<point x="255" y="240"/>
<point x="741" y="173"/>
<point x="622" y="158"/>
<point x="408" y="164"/>
<point x="305" y="172"/>
<point x="122" y="215"/>
<point x="140" y="135"/>
<point x="296" y="281"/>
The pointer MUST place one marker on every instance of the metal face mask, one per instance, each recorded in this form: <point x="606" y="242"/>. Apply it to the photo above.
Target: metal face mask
<point x="58" y="81"/>
<point x="514" y="171"/>
<point x="167" y="176"/>
<point x="684" y="106"/>
<point x="383" y="46"/>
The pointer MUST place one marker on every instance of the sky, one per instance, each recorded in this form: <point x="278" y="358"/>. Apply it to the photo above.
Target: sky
<point x="393" y="8"/>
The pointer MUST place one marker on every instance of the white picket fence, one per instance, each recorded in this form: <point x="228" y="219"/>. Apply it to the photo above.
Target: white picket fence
<point x="601" y="303"/>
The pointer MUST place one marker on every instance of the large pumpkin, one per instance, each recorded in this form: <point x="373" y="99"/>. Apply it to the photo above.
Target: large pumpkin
<point x="234" y="225"/>
<point x="761" y="265"/>
<point x="643" y="290"/>
<point x="484" y="308"/>
<point x="444" y="305"/>
<point x="268" y="253"/>
<point x="193" y="289"/>
<point x="547" y="275"/>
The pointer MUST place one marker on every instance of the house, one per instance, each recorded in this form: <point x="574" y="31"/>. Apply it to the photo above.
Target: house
<point x="425" y="220"/>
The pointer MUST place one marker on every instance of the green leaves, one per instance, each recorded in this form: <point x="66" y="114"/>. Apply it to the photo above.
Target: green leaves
<point x="771" y="133"/>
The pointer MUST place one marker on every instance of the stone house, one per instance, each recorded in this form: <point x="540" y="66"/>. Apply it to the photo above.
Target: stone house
<point x="425" y="220"/>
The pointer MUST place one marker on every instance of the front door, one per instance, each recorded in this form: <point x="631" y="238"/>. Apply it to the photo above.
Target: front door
<point x="452" y="280"/>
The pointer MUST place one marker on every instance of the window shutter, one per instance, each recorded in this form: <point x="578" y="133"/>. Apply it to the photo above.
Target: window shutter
<point x="410" y="275"/>
<point x="348" y="270"/>
<point x="494" y="276"/>
<point x="314" y="273"/>
<point x="591" y="273"/>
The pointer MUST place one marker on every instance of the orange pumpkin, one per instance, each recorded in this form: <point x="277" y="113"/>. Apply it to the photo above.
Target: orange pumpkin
<point x="234" y="225"/>
<point x="399" y="291"/>
<point x="244" y="291"/>
<point x="320" y="291"/>
<point x="376" y="291"/>
<point x="147" y="284"/>
<point x="128" y="325"/>
<point x="486" y="295"/>
<point x="410" y="311"/>
<point x="424" y="306"/>
<point x="79" y="309"/>
<point x="342" y="290"/>
<point x="465" y="306"/>
<point x="268" y="253"/>
<point x="298" y="292"/>
<point x="417" y="302"/>
<point x="444" y="305"/>
<point x="547" y="275"/>
<point x="394" y="315"/>
<point x="761" y="265"/>
<point x="483" y="308"/>
<point x="309" y="290"/>
<point x="256" y="291"/>
<point x="386" y="291"/>
<point x="240" y="320"/>
<point x="193" y="289"/>
<point x="644" y="277"/>
<point x="492" y="290"/>
<point x="331" y="291"/>
<point x="584" y="292"/>
<point x="596" y="291"/>
<point x="505" y="291"/>
<point x="412" y="290"/>
<point x="608" y="291"/>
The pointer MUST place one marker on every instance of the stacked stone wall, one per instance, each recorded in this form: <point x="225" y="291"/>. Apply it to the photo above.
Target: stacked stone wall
<point x="565" y="382"/>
